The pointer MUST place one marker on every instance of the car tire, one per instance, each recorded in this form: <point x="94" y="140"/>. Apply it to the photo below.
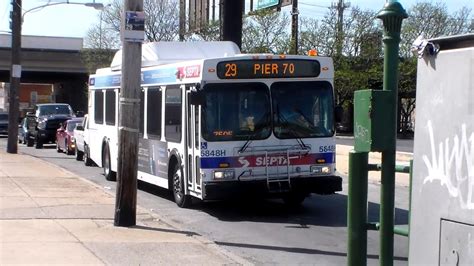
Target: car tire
<point x="87" y="159"/>
<point x="180" y="198"/>
<point x="29" y="141"/>
<point x="107" y="165"/>
<point x="68" y="150"/>
<point x="79" y="154"/>
<point x="39" y="144"/>
<point x="58" y="149"/>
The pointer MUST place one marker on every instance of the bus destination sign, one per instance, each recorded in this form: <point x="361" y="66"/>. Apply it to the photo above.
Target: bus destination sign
<point x="267" y="68"/>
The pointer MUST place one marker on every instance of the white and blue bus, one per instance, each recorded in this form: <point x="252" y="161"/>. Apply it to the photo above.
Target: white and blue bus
<point x="215" y="123"/>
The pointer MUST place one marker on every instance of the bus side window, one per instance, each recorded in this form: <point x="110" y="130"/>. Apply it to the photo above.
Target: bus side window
<point x="173" y="105"/>
<point x="153" y="111"/>
<point x="110" y="107"/>
<point x="99" y="107"/>
<point x="142" y="111"/>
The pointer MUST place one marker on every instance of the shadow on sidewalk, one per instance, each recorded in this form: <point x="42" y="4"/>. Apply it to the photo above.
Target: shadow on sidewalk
<point x="173" y="231"/>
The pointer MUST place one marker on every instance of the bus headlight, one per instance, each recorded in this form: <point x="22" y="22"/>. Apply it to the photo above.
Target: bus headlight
<point x="317" y="169"/>
<point x="224" y="174"/>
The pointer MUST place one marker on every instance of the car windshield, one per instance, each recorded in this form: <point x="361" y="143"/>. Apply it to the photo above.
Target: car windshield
<point x="71" y="125"/>
<point x="3" y="117"/>
<point x="55" y="110"/>
<point x="239" y="111"/>
<point x="302" y="109"/>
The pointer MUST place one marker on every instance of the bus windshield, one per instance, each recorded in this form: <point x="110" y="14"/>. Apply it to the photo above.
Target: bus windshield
<point x="302" y="109"/>
<point x="236" y="111"/>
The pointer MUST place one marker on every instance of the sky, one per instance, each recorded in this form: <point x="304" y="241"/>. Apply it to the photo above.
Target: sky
<point x="74" y="20"/>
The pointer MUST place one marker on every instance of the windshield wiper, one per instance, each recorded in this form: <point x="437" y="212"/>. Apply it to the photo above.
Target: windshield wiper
<point x="258" y="126"/>
<point x="291" y="130"/>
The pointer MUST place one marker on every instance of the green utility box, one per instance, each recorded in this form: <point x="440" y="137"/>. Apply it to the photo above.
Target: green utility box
<point x="373" y="125"/>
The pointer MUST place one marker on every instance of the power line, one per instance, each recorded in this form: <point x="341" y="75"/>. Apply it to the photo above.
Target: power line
<point x="314" y="5"/>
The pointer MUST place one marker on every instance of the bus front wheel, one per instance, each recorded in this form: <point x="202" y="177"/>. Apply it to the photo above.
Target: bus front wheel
<point x="180" y="198"/>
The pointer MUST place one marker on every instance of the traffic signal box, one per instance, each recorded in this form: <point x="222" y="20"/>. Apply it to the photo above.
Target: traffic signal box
<point x="373" y="124"/>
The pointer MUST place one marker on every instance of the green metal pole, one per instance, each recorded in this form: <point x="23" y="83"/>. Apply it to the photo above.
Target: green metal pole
<point x="357" y="208"/>
<point x="391" y="15"/>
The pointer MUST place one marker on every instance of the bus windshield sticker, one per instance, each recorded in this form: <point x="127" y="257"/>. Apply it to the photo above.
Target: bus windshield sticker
<point x="223" y="133"/>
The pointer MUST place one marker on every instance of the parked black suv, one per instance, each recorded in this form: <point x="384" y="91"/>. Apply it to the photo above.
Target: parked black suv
<point x="3" y="123"/>
<point x="48" y="118"/>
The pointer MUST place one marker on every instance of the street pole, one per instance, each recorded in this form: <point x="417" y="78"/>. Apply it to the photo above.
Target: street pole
<point x="182" y="19"/>
<point x="340" y="7"/>
<point x="129" y="111"/>
<point x="294" y="27"/>
<point x="15" y="77"/>
<point x="232" y="21"/>
<point x="392" y="16"/>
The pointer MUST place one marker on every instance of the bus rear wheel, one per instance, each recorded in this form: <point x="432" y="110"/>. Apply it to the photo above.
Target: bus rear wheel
<point x="180" y="198"/>
<point x="108" y="173"/>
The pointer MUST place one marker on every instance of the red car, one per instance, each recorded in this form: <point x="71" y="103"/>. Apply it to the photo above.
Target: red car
<point x="65" y="136"/>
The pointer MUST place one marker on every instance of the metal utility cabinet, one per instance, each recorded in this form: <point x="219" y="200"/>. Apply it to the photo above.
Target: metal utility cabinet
<point x="442" y="210"/>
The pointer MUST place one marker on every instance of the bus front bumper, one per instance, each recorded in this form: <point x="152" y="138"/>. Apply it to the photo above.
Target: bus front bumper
<point x="259" y="188"/>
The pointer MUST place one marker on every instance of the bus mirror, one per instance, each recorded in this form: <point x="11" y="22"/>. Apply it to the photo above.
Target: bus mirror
<point x="197" y="98"/>
<point x="338" y="111"/>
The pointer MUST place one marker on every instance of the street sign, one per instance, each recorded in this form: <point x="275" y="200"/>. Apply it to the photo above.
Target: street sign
<point x="134" y="30"/>
<point x="266" y="3"/>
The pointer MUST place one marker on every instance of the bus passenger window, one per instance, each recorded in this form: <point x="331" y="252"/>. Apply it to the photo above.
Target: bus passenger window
<point x="173" y="114"/>
<point x="142" y="111"/>
<point x="110" y="107"/>
<point x="99" y="107"/>
<point x="153" y="112"/>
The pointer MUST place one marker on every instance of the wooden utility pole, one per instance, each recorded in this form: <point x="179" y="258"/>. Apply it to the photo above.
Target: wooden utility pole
<point x="340" y="7"/>
<point x="294" y="27"/>
<point x="129" y="112"/>
<point x="232" y="11"/>
<point x="15" y="76"/>
<point x="182" y="19"/>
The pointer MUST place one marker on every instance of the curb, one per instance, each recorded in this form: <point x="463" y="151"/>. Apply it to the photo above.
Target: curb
<point x="206" y="242"/>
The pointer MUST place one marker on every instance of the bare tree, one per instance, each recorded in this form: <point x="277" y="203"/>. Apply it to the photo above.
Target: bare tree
<point x="161" y="23"/>
<point x="265" y="32"/>
<point x="432" y="20"/>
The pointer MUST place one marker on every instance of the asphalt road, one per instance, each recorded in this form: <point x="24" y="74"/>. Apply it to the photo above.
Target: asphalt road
<point x="265" y="231"/>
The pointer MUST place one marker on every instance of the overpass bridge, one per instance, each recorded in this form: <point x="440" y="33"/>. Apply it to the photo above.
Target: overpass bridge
<point x="50" y="60"/>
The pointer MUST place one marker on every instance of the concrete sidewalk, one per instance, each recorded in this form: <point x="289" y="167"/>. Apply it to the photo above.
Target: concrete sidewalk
<point x="342" y="164"/>
<point x="51" y="216"/>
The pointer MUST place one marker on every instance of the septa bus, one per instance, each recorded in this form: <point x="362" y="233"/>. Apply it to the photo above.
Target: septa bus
<point x="215" y="123"/>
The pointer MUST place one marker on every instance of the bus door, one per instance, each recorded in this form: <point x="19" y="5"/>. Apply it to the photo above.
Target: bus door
<point x="192" y="146"/>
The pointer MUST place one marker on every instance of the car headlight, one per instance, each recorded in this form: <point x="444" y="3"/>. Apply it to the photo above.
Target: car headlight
<point x="318" y="169"/>
<point x="42" y="125"/>
<point x="225" y="174"/>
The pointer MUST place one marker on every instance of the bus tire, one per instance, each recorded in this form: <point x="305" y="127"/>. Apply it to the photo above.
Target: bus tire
<point x="87" y="158"/>
<point x="294" y="198"/>
<point x="180" y="198"/>
<point x="106" y="164"/>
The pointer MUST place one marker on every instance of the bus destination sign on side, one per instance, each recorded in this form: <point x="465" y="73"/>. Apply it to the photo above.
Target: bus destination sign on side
<point x="267" y="68"/>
